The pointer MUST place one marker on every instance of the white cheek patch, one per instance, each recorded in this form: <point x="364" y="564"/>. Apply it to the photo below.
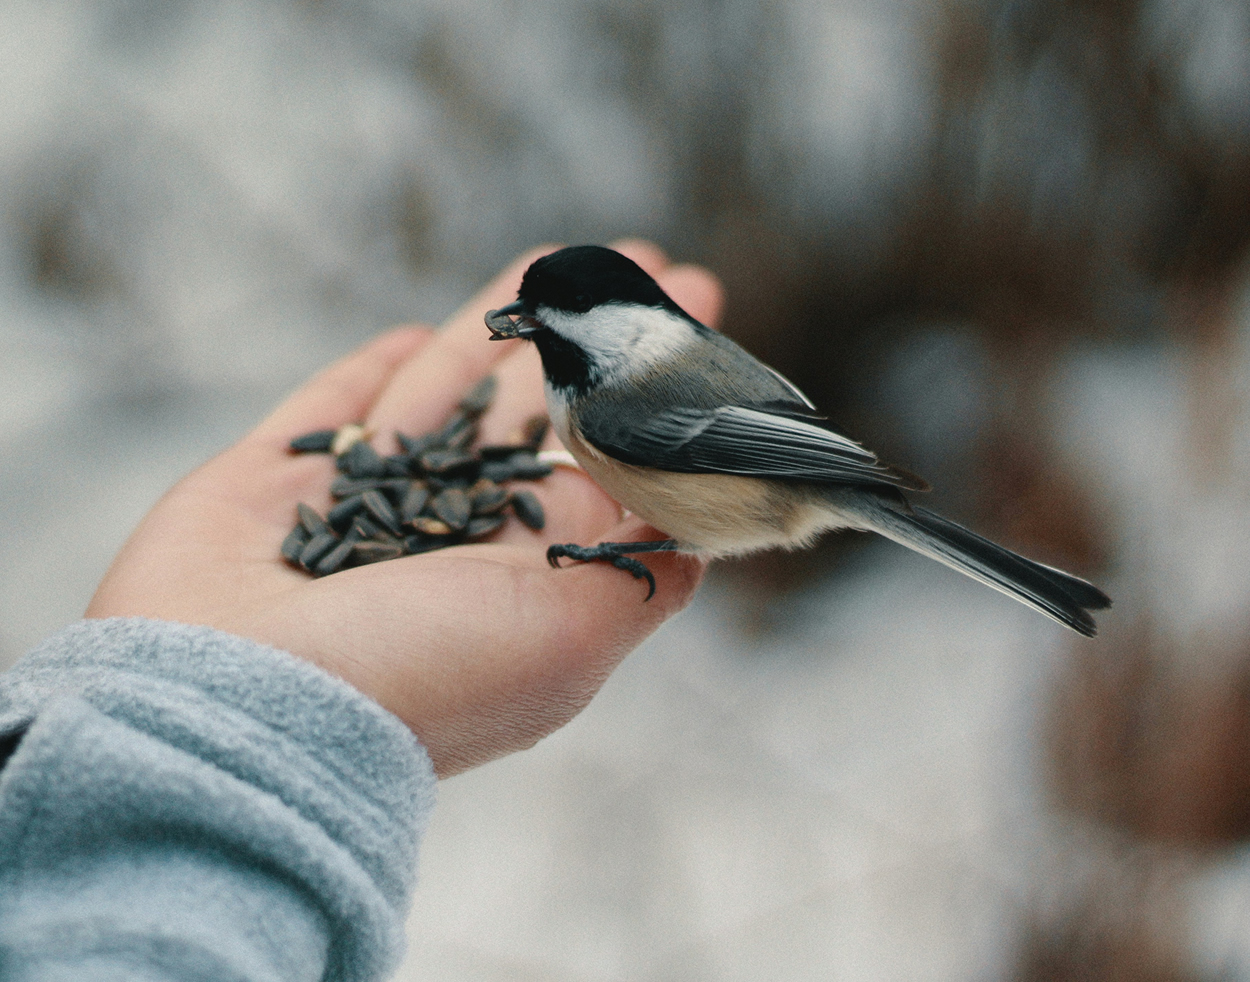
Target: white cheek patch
<point x="622" y="339"/>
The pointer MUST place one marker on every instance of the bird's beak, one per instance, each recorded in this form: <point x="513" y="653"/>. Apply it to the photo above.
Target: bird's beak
<point x="502" y="327"/>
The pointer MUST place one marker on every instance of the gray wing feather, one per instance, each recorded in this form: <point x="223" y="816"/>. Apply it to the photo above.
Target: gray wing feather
<point x="737" y="440"/>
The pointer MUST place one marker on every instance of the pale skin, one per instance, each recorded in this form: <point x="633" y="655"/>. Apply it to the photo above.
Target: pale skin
<point x="481" y="649"/>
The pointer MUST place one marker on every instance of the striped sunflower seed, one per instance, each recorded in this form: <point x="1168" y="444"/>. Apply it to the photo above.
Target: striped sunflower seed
<point x="483" y="525"/>
<point x="528" y="509"/>
<point x="317" y="547"/>
<point x="452" y="506"/>
<point x="313" y="523"/>
<point x="318" y="441"/>
<point x="294" y="544"/>
<point x="361" y="460"/>
<point x="381" y="511"/>
<point x="333" y="560"/>
<point x="413" y="501"/>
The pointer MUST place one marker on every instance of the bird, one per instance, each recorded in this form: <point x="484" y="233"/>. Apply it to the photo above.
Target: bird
<point x="717" y="450"/>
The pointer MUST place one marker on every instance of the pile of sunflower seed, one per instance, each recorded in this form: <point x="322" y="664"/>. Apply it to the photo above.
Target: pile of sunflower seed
<point x="439" y="491"/>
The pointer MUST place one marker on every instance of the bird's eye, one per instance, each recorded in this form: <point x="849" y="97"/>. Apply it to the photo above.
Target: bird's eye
<point x="583" y="300"/>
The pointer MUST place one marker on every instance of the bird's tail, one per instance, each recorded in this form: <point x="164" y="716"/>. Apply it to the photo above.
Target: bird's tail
<point x="1055" y="593"/>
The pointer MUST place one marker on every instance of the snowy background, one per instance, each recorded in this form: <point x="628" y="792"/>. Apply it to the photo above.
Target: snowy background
<point x="1003" y="242"/>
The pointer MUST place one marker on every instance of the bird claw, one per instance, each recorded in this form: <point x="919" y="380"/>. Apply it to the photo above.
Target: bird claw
<point x="589" y="554"/>
<point x="638" y="570"/>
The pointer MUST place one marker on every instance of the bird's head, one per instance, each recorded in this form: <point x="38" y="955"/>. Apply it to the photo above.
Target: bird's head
<point x="595" y="315"/>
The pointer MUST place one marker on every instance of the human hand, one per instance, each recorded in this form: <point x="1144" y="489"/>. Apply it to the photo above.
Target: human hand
<point x="480" y="649"/>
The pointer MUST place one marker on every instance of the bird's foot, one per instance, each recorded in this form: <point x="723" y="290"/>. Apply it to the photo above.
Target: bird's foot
<point x="616" y="554"/>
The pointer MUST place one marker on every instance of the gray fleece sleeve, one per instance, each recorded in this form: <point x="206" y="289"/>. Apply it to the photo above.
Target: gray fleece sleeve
<point x="179" y="803"/>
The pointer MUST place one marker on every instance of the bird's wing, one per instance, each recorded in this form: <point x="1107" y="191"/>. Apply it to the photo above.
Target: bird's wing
<point x="739" y="440"/>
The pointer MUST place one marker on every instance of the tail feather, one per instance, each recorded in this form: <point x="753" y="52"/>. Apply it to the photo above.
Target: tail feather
<point x="1056" y="594"/>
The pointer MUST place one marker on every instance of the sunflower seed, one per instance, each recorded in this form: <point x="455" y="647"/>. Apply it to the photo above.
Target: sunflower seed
<point x="480" y="397"/>
<point x="446" y="461"/>
<point x="462" y="438"/>
<point x="415" y="446"/>
<point x="527" y="467"/>
<point x="394" y="487"/>
<point x="497" y="471"/>
<point x="484" y="525"/>
<point x="522" y="466"/>
<point x="346" y="437"/>
<point x="317" y="547"/>
<point x="333" y="560"/>
<point x="487" y="497"/>
<point x="294" y="544"/>
<point x="381" y="511"/>
<point x="457" y="432"/>
<point x="340" y="516"/>
<point x="364" y="553"/>
<point x="528" y="509"/>
<point x="361" y="460"/>
<point x="453" y="507"/>
<point x="500" y="451"/>
<point x="445" y="481"/>
<point x="318" y="441"/>
<point x="437" y="486"/>
<point x="431" y="526"/>
<point x="414" y="545"/>
<point x="345" y="487"/>
<point x="313" y="523"/>
<point x="413" y="501"/>
<point x="536" y="430"/>
<point x="396" y="465"/>
<point x="365" y="528"/>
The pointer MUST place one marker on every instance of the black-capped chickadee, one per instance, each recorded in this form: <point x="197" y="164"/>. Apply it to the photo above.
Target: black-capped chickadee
<point x="714" y="448"/>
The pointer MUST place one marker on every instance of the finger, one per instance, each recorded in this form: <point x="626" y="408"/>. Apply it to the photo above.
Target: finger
<point x="424" y="391"/>
<point x="487" y="690"/>
<point x="697" y="291"/>
<point x="646" y="254"/>
<point x="664" y="566"/>
<point x="343" y="392"/>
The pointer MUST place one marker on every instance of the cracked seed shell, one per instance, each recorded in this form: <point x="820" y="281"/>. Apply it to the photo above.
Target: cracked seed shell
<point x="347" y="436"/>
<point x="431" y="526"/>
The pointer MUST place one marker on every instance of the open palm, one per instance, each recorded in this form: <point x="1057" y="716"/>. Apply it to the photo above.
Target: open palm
<point x="480" y="649"/>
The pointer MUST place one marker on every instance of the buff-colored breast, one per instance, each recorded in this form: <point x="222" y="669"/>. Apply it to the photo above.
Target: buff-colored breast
<point x="713" y="514"/>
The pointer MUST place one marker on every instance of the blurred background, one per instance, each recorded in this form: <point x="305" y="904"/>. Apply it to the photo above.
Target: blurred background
<point x="1002" y="242"/>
